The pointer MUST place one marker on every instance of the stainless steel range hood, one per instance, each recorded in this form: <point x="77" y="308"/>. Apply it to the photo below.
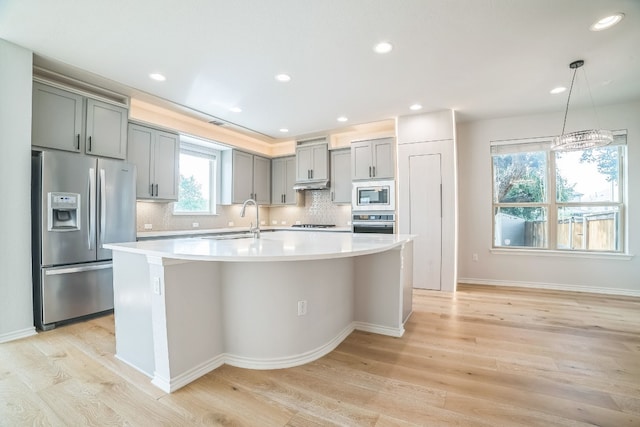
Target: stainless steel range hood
<point x="320" y="184"/>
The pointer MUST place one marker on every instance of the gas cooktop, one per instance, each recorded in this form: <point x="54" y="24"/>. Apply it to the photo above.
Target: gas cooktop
<point x="313" y="225"/>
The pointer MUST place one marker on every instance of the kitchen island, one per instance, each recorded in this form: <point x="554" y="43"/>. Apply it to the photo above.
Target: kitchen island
<point x="183" y="307"/>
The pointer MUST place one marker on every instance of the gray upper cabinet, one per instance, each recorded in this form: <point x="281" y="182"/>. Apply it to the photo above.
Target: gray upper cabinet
<point x="262" y="180"/>
<point x="155" y="154"/>
<point x="57" y="118"/>
<point x="245" y="176"/>
<point x="341" y="176"/>
<point x="106" y="131"/>
<point x="312" y="160"/>
<point x="64" y="120"/>
<point x="373" y="159"/>
<point x="283" y="178"/>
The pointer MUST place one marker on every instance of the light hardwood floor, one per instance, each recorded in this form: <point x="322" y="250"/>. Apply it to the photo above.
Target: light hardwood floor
<point x="485" y="356"/>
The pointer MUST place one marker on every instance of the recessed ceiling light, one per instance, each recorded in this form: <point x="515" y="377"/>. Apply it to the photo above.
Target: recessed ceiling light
<point x="383" y="47"/>
<point x="415" y="107"/>
<point x="557" y="90"/>
<point x="342" y="119"/>
<point x="283" y="77"/>
<point x="607" y="22"/>
<point x="235" y="109"/>
<point x="284" y="130"/>
<point x="157" y="77"/>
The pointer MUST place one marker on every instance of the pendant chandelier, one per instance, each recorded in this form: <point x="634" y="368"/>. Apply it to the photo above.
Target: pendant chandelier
<point x="582" y="139"/>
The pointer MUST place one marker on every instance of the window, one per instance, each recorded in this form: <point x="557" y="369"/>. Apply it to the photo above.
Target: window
<point x="198" y="173"/>
<point x="570" y="200"/>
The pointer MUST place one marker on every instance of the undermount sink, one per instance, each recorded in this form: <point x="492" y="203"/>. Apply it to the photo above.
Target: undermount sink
<point x="230" y="236"/>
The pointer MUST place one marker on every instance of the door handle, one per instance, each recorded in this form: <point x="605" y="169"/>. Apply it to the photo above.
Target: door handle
<point x="92" y="208"/>
<point x="151" y="189"/>
<point x="89" y="143"/>
<point x="369" y="171"/>
<point x="103" y="203"/>
<point x="156" y="190"/>
<point x="374" y="171"/>
<point x="78" y="143"/>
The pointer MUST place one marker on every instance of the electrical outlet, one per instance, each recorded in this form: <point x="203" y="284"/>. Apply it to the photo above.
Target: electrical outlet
<point x="230" y="224"/>
<point x="156" y="286"/>
<point x="474" y="257"/>
<point x="274" y="222"/>
<point x="195" y="225"/>
<point x="262" y="222"/>
<point x="283" y="223"/>
<point x="148" y="226"/>
<point x="298" y="223"/>
<point x="302" y="307"/>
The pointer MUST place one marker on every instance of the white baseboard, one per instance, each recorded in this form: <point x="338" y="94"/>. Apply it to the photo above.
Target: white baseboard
<point x="377" y="329"/>
<point x="553" y="286"/>
<point x="16" y="335"/>
<point x="289" y="362"/>
<point x="169" y="385"/>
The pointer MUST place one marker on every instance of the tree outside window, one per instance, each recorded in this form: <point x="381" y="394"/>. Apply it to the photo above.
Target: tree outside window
<point x="197" y="181"/>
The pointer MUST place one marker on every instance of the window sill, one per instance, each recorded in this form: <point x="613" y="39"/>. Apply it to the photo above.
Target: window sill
<point x="194" y="214"/>
<point x="566" y="254"/>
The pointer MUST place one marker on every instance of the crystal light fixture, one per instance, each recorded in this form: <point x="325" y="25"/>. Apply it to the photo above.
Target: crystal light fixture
<point x="582" y="139"/>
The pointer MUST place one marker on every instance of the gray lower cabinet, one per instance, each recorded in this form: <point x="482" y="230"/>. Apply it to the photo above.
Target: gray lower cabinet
<point x="156" y="154"/>
<point x="341" y="176"/>
<point x="65" y="120"/>
<point x="373" y="159"/>
<point x="283" y="178"/>
<point x="245" y="176"/>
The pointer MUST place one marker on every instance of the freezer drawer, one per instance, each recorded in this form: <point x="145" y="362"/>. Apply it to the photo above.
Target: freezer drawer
<point x="74" y="291"/>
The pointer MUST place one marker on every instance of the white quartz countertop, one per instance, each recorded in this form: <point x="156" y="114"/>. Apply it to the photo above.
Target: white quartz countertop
<point x="272" y="246"/>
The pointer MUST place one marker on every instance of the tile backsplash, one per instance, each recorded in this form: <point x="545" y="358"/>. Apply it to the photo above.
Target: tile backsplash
<point x="317" y="209"/>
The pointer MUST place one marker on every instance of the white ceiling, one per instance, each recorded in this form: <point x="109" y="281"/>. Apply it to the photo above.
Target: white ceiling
<point x="483" y="58"/>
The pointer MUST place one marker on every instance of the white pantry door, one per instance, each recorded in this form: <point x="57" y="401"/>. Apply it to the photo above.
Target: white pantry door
<point x="425" y="219"/>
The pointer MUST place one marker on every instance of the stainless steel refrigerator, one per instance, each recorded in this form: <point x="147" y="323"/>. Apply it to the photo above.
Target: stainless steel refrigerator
<point x="78" y="203"/>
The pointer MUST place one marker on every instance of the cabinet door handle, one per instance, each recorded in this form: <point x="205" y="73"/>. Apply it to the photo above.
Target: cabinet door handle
<point x="156" y="190"/>
<point x="89" y="143"/>
<point x="332" y="196"/>
<point x="369" y="171"/>
<point x="78" y="141"/>
<point x="151" y="190"/>
<point x="374" y="171"/>
<point x="311" y="173"/>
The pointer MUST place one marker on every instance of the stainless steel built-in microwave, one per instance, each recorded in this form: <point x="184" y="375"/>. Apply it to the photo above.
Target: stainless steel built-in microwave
<point x="374" y="196"/>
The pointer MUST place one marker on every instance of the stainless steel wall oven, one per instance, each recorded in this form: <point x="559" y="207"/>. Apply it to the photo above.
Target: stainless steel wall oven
<point x="378" y="222"/>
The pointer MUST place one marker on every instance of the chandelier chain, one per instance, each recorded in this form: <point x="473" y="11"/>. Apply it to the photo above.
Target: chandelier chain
<point x="566" y="111"/>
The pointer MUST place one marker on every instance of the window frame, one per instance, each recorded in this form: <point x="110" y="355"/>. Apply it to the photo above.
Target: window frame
<point x="197" y="149"/>
<point x="551" y="204"/>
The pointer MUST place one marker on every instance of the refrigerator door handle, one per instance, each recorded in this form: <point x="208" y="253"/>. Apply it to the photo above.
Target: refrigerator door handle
<point x="92" y="206"/>
<point x="103" y="203"/>
<point x="57" y="271"/>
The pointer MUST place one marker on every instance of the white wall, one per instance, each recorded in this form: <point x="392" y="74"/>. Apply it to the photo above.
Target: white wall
<point x="16" y="306"/>
<point x="618" y="275"/>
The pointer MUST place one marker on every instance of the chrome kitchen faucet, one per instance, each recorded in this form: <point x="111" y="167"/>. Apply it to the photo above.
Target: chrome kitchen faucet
<point x="254" y="230"/>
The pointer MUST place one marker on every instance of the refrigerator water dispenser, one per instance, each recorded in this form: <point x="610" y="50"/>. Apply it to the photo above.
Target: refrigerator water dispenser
<point x="64" y="212"/>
